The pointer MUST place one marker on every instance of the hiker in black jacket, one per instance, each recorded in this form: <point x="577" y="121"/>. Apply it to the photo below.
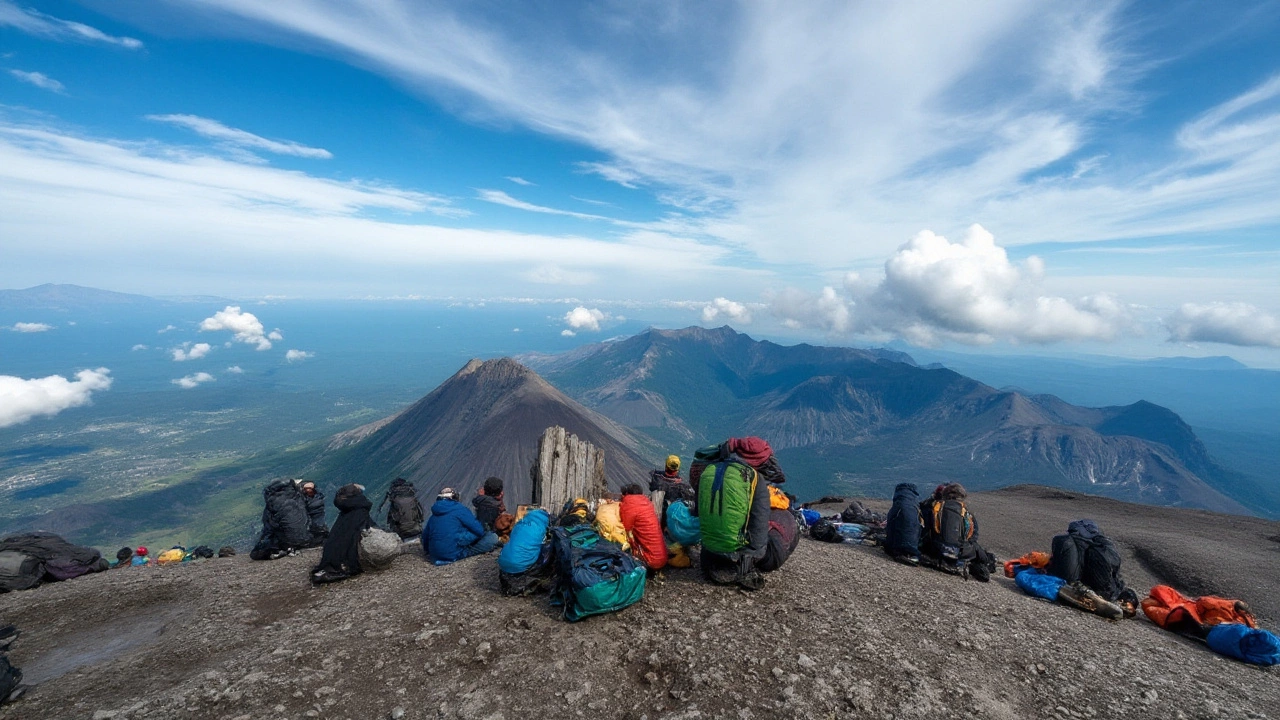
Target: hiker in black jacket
<point x="950" y="538"/>
<point x="341" y="557"/>
<point x="315" y="512"/>
<point x="489" y="503"/>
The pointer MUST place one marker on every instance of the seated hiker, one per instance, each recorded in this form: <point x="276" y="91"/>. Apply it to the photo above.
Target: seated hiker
<point x="140" y="557"/>
<point x="1084" y="555"/>
<point x="950" y="538"/>
<point x="124" y="557"/>
<point x="315" y="513"/>
<point x="341" y="556"/>
<point x="668" y="482"/>
<point x="286" y="524"/>
<point x="489" y="503"/>
<point x="732" y="485"/>
<point x="453" y="532"/>
<point x="404" y="517"/>
<point x="784" y="536"/>
<point x="644" y="532"/>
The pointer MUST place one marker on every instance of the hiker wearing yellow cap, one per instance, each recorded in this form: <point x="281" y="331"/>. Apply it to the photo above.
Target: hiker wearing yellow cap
<point x="668" y="481"/>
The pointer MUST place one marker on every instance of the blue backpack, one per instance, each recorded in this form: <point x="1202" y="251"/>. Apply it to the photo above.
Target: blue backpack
<point x="682" y="525"/>
<point x="903" y="524"/>
<point x="527" y="536"/>
<point x="593" y="575"/>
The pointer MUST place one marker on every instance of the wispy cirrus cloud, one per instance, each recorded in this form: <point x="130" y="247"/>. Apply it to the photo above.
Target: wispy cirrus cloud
<point x="34" y="22"/>
<point x="215" y="130"/>
<point x="40" y="80"/>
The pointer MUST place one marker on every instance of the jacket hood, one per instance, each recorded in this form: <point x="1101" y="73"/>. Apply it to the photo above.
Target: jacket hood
<point x="349" y="498"/>
<point x="1086" y="529"/>
<point x="445" y="507"/>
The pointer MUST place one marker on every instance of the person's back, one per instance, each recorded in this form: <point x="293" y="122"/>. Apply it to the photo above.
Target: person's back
<point x="453" y="532"/>
<point x="315" y="512"/>
<point x="140" y="558"/>
<point x="951" y="534"/>
<point x="489" y="504"/>
<point x="668" y="481"/>
<point x="644" y="532"/>
<point x="341" y="556"/>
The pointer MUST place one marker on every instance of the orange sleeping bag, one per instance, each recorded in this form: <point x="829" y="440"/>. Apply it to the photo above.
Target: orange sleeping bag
<point x="1171" y="610"/>
<point x="1038" y="560"/>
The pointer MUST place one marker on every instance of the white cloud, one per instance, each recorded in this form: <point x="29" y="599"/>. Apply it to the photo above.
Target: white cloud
<point x="190" y="381"/>
<point x="166" y="328"/>
<point x="30" y="327"/>
<point x="40" y="80"/>
<point x="196" y="352"/>
<point x="499" y="197"/>
<point x="22" y="400"/>
<point x="37" y="23"/>
<point x="934" y="290"/>
<point x="555" y="275"/>
<point x="567" y="333"/>
<point x="138" y="347"/>
<point x="582" y="318"/>
<point x="241" y="138"/>
<point x="235" y="370"/>
<point x="520" y="181"/>
<point x="298" y="355"/>
<point x="727" y="309"/>
<point x="246" y="326"/>
<point x="1235" y="323"/>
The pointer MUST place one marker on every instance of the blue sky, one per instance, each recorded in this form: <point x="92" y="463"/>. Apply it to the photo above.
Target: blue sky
<point x="812" y="168"/>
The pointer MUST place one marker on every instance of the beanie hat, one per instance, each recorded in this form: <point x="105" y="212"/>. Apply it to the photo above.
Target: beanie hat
<point x="447" y="494"/>
<point x="493" y="486"/>
<point x="673" y="463"/>
<point x="141" y="551"/>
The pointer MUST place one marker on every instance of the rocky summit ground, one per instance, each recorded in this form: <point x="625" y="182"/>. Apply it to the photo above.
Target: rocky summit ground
<point x="840" y="631"/>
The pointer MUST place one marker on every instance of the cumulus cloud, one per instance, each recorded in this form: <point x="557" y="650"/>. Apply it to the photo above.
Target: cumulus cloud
<point x="1235" y="323"/>
<point x="37" y="23"/>
<point x="726" y="309"/>
<point x="39" y="79"/>
<point x="567" y="333"/>
<point x="235" y="370"/>
<point x="241" y="138"/>
<point x="194" y="380"/>
<point x="22" y="400"/>
<point x="583" y="318"/>
<point x="246" y="326"/>
<point x="298" y="355"/>
<point x="138" y="347"/>
<point x="968" y="291"/>
<point x="30" y="327"/>
<point x="195" y="352"/>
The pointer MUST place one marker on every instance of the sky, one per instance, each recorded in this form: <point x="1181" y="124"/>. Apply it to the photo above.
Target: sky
<point x="1033" y="177"/>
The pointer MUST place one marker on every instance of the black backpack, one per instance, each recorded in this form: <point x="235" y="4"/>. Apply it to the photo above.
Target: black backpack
<point x="825" y="531"/>
<point x="951" y="532"/>
<point x="404" y="517"/>
<point x="204" y="551"/>
<point x="286" y="514"/>
<point x="903" y="525"/>
<point x="858" y="513"/>
<point x="1085" y="555"/>
<point x="10" y="678"/>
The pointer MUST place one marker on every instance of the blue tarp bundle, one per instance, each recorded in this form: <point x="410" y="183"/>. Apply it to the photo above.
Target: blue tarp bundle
<point x="1038" y="584"/>
<point x="1252" y="645"/>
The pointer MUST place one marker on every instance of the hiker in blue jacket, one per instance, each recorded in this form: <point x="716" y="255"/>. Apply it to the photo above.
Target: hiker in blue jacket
<point x="453" y="532"/>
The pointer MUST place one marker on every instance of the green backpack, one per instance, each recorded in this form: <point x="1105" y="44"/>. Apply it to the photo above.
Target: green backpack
<point x="725" y="490"/>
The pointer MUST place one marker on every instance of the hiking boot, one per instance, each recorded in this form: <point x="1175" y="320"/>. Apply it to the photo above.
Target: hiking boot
<point x="15" y="694"/>
<point x="1081" y="596"/>
<point x="751" y="581"/>
<point x="322" y="577"/>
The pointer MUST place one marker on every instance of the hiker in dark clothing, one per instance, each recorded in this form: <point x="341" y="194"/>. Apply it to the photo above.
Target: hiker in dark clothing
<point x="124" y="557"/>
<point x="453" y="532"/>
<point x="668" y="482"/>
<point x="949" y="541"/>
<point x="489" y="504"/>
<point x="315" y="512"/>
<point x="341" y="556"/>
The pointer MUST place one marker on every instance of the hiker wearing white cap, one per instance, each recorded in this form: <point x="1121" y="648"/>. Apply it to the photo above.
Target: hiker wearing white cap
<point x="453" y="532"/>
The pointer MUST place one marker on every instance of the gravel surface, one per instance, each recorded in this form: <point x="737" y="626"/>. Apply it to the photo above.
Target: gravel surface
<point x="840" y="631"/>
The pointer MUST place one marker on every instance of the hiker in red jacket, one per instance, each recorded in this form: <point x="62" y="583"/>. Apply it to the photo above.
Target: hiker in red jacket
<point x="644" y="532"/>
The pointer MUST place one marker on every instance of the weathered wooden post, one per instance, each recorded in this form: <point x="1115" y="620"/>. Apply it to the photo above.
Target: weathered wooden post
<point x="566" y="468"/>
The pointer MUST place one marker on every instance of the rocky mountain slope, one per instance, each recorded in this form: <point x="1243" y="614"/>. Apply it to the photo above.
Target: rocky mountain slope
<point x="485" y="420"/>
<point x="845" y="418"/>
<point x="840" y="631"/>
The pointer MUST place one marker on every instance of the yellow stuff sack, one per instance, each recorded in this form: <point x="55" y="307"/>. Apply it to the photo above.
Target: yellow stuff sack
<point x="169" y="557"/>
<point x="778" y="500"/>
<point x="677" y="557"/>
<point x="609" y="523"/>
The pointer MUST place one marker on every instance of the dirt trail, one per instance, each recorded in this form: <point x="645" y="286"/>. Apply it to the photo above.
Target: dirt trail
<point x="840" y="631"/>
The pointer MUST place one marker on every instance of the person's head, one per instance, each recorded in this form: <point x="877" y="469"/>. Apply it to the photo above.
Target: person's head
<point x="124" y="554"/>
<point x="673" y="464"/>
<point x="141" y="551"/>
<point x="493" y="486"/>
<point x="953" y="491"/>
<point x="447" y="494"/>
<point x="632" y="489"/>
<point x="308" y="488"/>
